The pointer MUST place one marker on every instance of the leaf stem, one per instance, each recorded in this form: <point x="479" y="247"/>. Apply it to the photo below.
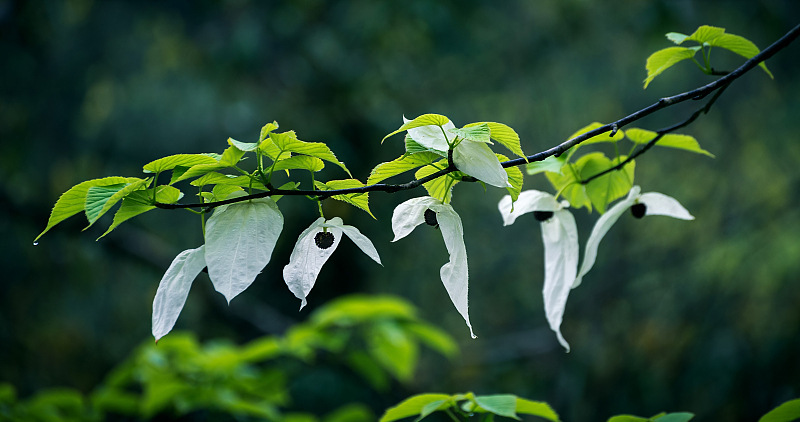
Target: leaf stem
<point x="452" y="416"/>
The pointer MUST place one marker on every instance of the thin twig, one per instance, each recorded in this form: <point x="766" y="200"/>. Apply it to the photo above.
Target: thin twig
<point x="695" y="94"/>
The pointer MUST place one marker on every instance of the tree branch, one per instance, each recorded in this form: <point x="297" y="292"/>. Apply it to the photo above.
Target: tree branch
<point x="695" y="94"/>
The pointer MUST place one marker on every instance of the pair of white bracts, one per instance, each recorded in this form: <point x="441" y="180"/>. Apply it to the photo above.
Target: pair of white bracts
<point x="560" y="237"/>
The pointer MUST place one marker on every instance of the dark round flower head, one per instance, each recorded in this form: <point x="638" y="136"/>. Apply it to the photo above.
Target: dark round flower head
<point x="430" y="218"/>
<point x="638" y="210"/>
<point x="542" y="215"/>
<point x="324" y="240"/>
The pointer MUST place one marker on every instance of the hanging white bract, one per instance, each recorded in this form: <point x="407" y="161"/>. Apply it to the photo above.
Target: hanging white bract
<point x="174" y="288"/>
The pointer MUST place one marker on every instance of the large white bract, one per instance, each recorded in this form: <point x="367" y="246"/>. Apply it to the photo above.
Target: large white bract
<point x="454" y="274"/>
<point x="473" y="158"/>
<point x="307" y="258"/>
<point x="560" y="237"/>
<point x="174" y="288"/>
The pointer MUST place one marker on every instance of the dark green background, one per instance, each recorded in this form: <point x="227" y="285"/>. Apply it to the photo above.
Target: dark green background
<point x="697" y="316"/>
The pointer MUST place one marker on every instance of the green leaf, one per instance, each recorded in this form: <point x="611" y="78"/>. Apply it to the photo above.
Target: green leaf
<point x="670" y="140"/>
<point x="540" y="409"/>
<point x="477" y="132"/>
<point x="229" y="158"/>
<point x="552" y="164"/>
<point x="604" y="189"/>
<point x="424" y="120"/>
<point x="355" y="309"/>
<point x="73" y="201"/>
<point x="405" y="163"/>
<point x="440" y="188"/>
<point x="243" y="146"/>
<point x="676" y="37"/>
<point x="302" y="162"/>
<point x="499" y="404"/>
<point x="354" y="412"/>
<point x="412" y="147"/>
<point x="568" y="187"/>
<point x="675" y="417"/>
<point x="434" y="338"/>
<point x="141" y="201"/>
<point x="269" y="127"/>
<point x="393" y="349"/>
<point x="363" y="364"/>
<point x="432" y="407"/>
<point x="172" y="161"/>
<point x="287" y="141"/>
<point x="662" y="60"/>
<point x="412" y="406"/>
<point x="741" y="46"/>
<point x="503" y="134"/>
<point x="786" y="412"/>
<point x="359" y="200"/>
<point x="706" y="34"/>
<point x="514" y="178"/>
<point x="98" y="201"/>
<point x="627" y="418"/>
<point x="177" y="172"/>
<point x="268" y="148"/>
<point x="286" y="186"/>
<point x="603" y="137"/>
<point x="223" y="192"/>
<point x="215" y="178"/>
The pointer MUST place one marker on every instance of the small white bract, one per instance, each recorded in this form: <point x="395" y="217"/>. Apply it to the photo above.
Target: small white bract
<point x="454" y="274"/>
<point x="473" y="158"/>
<point x="307" y="258"/>
<point x="560" y="237"/>
<point x="655" y="203"/>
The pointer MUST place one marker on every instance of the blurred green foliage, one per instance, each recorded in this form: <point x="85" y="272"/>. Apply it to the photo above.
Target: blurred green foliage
<point x="701" y="317"/>
<point x="376" y="337"/>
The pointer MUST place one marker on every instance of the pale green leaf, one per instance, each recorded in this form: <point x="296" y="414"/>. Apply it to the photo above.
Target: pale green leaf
<point x="603" y="137"/>
<point x="73" y="200"/>
<point x="741" y="46"/>
<point x="540" y="409"/>
<point x="499" y="404"/>
<point x="786" y="412"/>
<point x="706" y="34"/>
<point x="605" y="189"/>
<point x="412" y="406"/>
<point x="405" y="163"/>
<point x="424" y="120"/>
<point x="231" y="156"/>
<point x="515" y="178"/>
<point x="141" y="201"/>
<point x="670" y="140"/>
<point x="98" y="203"/>
<point x="302" y="162"/>
<point x="552" y="164"/>
<point x="568" y="187"/>
<point x="676" y="37"/>
<point x="662" y="60"/>
<point x="223" y="192"/>
<point x="269" y="127"/>
<point x="287" y="141"/>
<point x="243" y="146"/>
<point x="359" y="200"/>
<point x="172" y="161"/>
<point x="414" y="147"/>
<point x="477" y="132"/>
<point x="440" y="188"/>
<point x="177" y="172"/>
<point x="503" y="134"/>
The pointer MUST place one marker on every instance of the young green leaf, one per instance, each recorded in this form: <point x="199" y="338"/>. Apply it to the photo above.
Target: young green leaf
<point x="229" y="158"/>
<point x="440" y="188"/>
<point x="223" y="192"/>
<point x="552" y="164"/>
<point x="670" y="140"/>
<point x="359" y="200"/>
<point x="603" y="137"/>
<point x="676" y="37"/>
<point x="301" y="162"/>
<point x="503" y="134"/>
<point x="240" y="238"/>
<point x="424" y="120"/>
<point x="515" y="178"/>
<point x="605" y="189"/>
<point x="98" y="201"/>
<point x="568" y="187"/>
<point x="172" y="161"/>
<point x="286" y="186"/>
<point x="73" y="200"/>
<point x="287" y="141"/>
<point x="412" y="406"/>
<point x="499" y="404"/>
<point x="243" y="146"/>
<point x="269" y="127"/>
<point x="141" y="201"/>
<point x="786" y="412"/>
<point x="476" y="133"/>
<point x="215" y="178"/>
<point x="741" y="46"/>
<point x="413" y="147"/>
<point x="536" y="408"/>
<point x="662" y="60"/>
<point x="405" y="163"/>
<point x="705" y="34"/>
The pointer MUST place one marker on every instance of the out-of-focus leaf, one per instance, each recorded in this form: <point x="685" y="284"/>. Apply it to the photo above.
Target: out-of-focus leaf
<point x="390" y="345"/>
<point x="412" y="406"/>
<point x="786" y="412"/>
<point x="536" y="408"/>
<point x="355" y="412"/>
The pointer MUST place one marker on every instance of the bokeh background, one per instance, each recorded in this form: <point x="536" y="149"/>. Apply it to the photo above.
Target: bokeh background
<point x="697" y="316"/>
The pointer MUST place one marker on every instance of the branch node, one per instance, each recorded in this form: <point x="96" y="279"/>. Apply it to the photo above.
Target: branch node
<point x="614" y="130"/>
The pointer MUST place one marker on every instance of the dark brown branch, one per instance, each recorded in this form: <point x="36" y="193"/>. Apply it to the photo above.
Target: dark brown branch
<point x="695" y="94"/>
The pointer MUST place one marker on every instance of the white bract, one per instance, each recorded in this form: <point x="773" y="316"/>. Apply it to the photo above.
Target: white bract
<point x="560" y="237"/>
<point x="454" y="274"/>
<point x="307" y="258"/>
<point x="174" y="288"/>
<point x="655" y="203"/>
<point x="240" y="238"/>
<point x="473" y="158"/>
